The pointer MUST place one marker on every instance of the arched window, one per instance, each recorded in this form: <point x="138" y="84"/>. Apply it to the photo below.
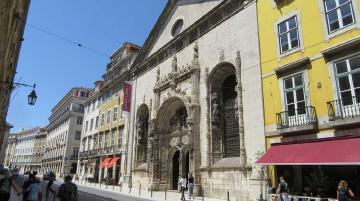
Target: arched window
<point x="178" y="121"/>
<point x="142" y="134"/>
<point x="177" y="27"/>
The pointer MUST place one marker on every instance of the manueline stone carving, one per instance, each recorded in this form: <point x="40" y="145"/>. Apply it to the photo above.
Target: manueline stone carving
<point x="215" y="109"/>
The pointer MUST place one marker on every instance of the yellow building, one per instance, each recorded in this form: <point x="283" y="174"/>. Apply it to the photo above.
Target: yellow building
<point x="310" y="58"/>
<point x="111" y="139"/>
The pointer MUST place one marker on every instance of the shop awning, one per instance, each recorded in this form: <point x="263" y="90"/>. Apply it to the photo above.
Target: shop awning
<point x="104" y="162"/>
<point x="330" y="151"/>
<point x="112" y="162"/>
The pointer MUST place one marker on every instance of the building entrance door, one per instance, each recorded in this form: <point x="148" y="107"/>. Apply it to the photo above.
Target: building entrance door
<point x="175" y="170"/>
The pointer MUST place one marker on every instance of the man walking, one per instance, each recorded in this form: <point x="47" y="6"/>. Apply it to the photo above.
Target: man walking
<point x="283" y="190"/>
<point x="191" y="186"/>
<point x="68" y="190"/>
<point x="32" y="189"/>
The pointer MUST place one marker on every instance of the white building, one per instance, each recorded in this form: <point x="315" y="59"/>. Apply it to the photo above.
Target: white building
<point x="10" y="150"/>
<point x="197" y="100"/>
<point x="64" y="133"/>
<point x="24" y="157"/>
<point x="86" y="167"/>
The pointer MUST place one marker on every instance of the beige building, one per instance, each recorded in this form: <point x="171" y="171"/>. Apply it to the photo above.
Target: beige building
<point x="39" y="148"/>
<point x="64" y="133"/>
<point x="12" y="25"/>
<point x="103" y="150"/>
<point x="10" y="150"/>
<point x="197" y="100"/>
<point x="24" y="157"/>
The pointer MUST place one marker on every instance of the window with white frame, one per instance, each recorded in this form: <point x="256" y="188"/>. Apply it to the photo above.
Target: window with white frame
<point x="108" y="117"/>
<point x="288" y="33"/>
<point x="339" y="14"/>
<point x="86" y="126"/>
<point x="102" y="119"/>
<point x="348" y="79"/>
<point x="294" y="91"/>
<point x="121" y="131"/>
<point x="112" y="137"/>
<point x="115" y="113"/>
<point x="91" y="124"/>
<point x="96" y="122"/>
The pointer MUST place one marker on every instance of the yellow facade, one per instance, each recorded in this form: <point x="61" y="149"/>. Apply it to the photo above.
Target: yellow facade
<point x="313" y="37"/>
<point x="319" y="79"/>
<point x="110" y="104"/>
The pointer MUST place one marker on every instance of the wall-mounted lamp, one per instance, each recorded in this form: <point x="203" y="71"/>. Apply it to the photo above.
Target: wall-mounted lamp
<point x="32" y="97"/>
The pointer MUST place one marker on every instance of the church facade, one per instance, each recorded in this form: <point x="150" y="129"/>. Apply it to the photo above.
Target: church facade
<point x="197" y="100"/>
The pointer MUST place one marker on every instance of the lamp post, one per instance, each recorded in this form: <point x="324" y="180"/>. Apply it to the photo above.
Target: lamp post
<point x="32" y="97"/>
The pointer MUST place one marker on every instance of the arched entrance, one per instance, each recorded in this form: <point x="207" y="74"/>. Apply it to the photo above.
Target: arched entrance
<point x="172" y="142"/>
<point x="175" y="170"/>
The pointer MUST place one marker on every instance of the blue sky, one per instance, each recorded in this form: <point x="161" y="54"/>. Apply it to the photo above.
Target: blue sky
<point x="56" y="66"/>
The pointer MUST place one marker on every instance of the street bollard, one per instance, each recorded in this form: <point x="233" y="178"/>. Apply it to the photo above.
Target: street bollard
<point x="202" y="194"/>
<point x="139" y="190"/>
<point x="165" y="193"/>
<point x="151" y="193"/>
<point x="100" y="184"/>
<point x="228" y="196"/>
<point x="130" y="190"/>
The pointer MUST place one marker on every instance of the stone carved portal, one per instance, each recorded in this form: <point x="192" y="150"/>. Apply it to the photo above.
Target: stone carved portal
<point x="172" y="152"/>
<point x="142" y="133"/>
<point x="224" y="121"/>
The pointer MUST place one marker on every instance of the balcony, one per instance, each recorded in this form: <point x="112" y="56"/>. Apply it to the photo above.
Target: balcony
<point x="344" y="111"/>
<point x="298" y="120"/>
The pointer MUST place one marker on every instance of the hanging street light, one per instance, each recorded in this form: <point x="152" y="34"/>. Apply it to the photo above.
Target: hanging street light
<point x="32" y="97"/>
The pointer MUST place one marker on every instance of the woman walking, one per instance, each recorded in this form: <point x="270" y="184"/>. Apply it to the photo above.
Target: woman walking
<point x="344" y="192"/>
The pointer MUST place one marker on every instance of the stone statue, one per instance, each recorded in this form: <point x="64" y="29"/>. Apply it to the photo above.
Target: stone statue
<point x="158" y="75"/>
<point x="215" y="109"/>
<point x="141" y="132"/>
<point x="174" y="64"/>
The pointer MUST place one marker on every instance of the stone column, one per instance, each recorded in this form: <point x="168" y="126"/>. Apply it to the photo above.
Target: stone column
<point x="243" y="159"/>
<point x="194" y="123"/>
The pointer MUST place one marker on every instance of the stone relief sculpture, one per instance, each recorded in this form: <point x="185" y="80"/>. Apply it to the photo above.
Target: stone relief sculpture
<point x="215" y="110"/>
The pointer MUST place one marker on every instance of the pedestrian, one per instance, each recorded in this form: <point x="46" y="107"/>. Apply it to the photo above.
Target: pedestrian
<point x="183" y="185"/>
<point x="5" y="184"/>
<point x="32" y="189"/>
<point x="283" y="190"/>
<point x="16" y="183"/>
<point x="191" y="186"/>
<point x="68" y="190"/>
<point x="179" y="184"/>
<point x="344" y="192"/>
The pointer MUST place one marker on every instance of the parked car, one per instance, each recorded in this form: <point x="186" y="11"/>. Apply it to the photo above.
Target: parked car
<point x="49" y="176"/>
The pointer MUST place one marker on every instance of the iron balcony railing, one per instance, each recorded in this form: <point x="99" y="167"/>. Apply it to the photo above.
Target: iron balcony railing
<point x="344" y="108"/>
<point x="297" y="117"/>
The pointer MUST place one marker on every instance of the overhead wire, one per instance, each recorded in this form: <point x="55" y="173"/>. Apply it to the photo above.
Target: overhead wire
<point x="58" y="36"/>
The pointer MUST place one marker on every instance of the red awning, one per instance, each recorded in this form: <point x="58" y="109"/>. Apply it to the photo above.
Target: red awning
<point x="104" y="162"/>
<point x="112" y="162"/>
<point x="330" y="151"/>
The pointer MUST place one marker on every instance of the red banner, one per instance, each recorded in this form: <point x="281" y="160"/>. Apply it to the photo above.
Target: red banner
<point x="127" y="97"/>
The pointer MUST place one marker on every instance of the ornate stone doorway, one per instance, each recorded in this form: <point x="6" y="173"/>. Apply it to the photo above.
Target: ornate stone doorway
<point x="175" y="170"/>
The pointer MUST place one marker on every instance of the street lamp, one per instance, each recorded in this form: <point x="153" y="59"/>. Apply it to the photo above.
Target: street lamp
<point x="32" y="97"/>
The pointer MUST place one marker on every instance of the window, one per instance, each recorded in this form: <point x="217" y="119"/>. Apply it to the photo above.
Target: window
<point x="82" y="94"/>
<point x="91" y="124"/>
<point x="77" y="135"/>
<point x="288" y="33"/>
<point x="102" y="119"/>
<point x="177" y="27"/>
<point x="339" y="14"/>
<point x="79" y="120"/>
<point x="97" y="122"/>
<point x="100" y="141"/>
<point x="294" y="90"/>
<point x="108" y="117"/>
<point x="121" y="131"/>
<point x="86" y="126"/>
<point x="106" y="139"/>
<point x="112" y="137"/>
<point x="93" y="105"/>
<point x="76" y="152"/>
<point x="81" y="108"/>
<point x="348" y="80"/>
<point x="115" y="114"/>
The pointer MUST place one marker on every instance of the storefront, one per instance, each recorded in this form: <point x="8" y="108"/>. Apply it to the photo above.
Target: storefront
<point x="316" y="165"/>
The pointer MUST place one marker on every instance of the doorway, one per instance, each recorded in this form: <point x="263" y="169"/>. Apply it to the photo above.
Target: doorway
<point x="175" y="170"/>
